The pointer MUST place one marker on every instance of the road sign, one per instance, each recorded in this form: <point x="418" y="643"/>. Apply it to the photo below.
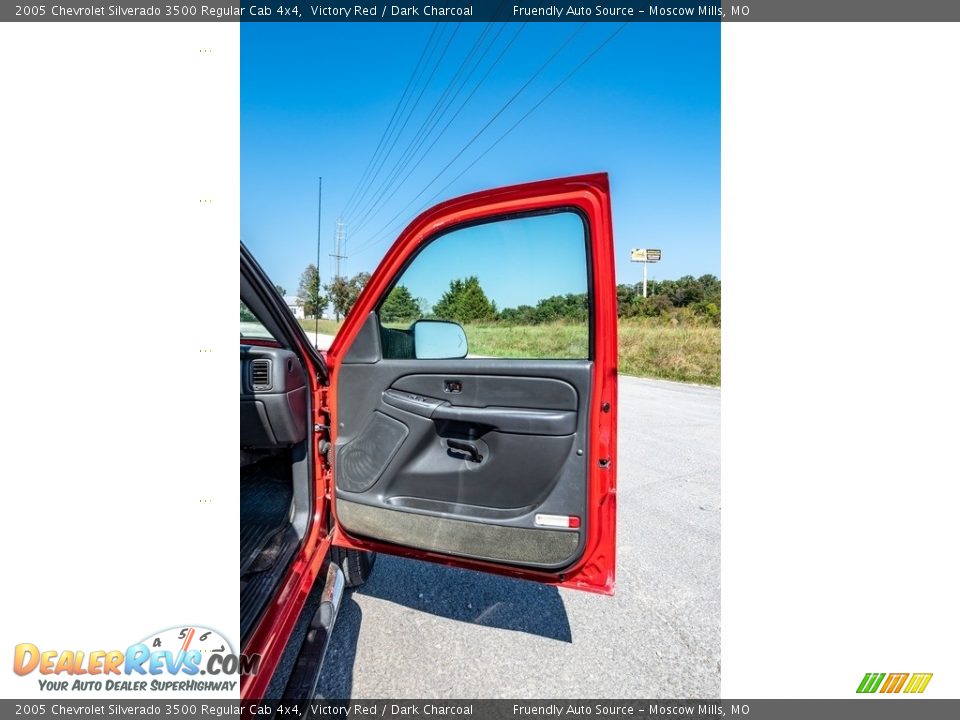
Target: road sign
<point x="644" y="255"/>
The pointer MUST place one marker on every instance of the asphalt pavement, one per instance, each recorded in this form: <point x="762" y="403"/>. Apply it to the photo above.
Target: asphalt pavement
<point x="418" y="630"/>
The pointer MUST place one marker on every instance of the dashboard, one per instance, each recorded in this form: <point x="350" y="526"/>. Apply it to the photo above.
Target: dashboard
<point x="273" y="398"/>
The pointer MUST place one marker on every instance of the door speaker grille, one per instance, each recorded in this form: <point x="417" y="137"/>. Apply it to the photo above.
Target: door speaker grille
<point x="361" y="462"/>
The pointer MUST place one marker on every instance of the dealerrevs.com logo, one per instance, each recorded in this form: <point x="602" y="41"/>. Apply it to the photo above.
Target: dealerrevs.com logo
<point x="181" y="659"/>
<point x="910" y="683"/>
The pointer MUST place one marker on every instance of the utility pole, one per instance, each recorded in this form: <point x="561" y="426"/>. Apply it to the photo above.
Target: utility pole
<point x="340" y="244"/>
<point x="316" y="310"/>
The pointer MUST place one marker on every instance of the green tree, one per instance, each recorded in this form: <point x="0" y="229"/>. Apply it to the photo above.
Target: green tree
<point x="685" y="291"/>
<point x="309" y="292"/>
<point x="343" y="292"/>
<point x="465" y="302"/>
<point x="280" y="289"/>
<point x="626" y="297"/>
<point x="400" y="306"/>
<point x="570" y="307"/>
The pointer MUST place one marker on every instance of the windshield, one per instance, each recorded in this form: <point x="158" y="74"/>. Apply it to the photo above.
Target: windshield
<point x="250" y="327"/>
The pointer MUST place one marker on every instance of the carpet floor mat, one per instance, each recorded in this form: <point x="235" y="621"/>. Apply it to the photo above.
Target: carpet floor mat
<point x="258" y="586"/>
<point x="267" y="539"/>
<point x="264" y="512"/>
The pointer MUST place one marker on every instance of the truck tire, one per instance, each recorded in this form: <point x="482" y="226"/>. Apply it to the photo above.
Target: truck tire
<point x="356" y="565"/>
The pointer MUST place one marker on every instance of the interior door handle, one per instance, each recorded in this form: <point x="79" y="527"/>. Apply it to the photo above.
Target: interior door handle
<point x="466" y="447"/>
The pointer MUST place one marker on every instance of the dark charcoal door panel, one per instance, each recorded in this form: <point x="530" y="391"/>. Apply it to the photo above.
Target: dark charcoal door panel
<point x="465" y="472"/>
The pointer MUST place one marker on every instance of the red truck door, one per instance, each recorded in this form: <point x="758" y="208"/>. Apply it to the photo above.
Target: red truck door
<point x="455" y="445"/>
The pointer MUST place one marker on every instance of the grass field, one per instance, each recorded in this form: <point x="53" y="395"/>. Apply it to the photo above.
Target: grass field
<point x="326" y="327"/>
<point x="648" y="348"/>
<point x="689" y="353"/>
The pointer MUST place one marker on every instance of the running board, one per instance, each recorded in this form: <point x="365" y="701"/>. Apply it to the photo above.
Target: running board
<point x="305" y="676"/>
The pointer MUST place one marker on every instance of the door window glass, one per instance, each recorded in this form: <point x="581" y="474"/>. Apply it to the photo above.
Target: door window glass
<point x="517" y="287"/>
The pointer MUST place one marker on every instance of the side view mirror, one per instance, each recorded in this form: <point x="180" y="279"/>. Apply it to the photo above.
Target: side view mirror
<point x="439" y="340"/>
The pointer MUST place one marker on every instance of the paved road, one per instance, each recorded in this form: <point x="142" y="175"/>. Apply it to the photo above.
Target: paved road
<point x="321" y="341"/>
<point x="420" y="630"/>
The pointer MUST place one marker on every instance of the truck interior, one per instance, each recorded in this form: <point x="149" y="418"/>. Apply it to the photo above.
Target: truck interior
<point x="274" y="472"/>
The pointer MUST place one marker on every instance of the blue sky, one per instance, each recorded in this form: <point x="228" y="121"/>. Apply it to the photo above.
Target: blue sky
<point x="316" y="98"/>
<point x="518" y="262"/>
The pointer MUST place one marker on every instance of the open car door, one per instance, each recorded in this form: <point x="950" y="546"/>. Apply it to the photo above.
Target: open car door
<point x="473" y="389"/>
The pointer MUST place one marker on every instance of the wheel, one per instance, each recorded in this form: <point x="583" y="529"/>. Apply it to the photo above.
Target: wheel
<point x="356" y="565"/>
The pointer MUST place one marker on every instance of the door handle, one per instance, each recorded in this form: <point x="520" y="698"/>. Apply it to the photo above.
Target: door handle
<point x="466" y="447"/>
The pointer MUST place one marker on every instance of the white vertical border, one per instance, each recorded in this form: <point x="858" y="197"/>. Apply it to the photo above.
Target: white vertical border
<point x="118" y="288"/>
<point x="840" y="251"/>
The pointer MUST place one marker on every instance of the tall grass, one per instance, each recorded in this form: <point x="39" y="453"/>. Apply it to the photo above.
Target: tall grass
<point x="326" y="327"/>
<point x="648" y="347"/>
<point x="689" y="353"/>
<point x="554" y="340"/>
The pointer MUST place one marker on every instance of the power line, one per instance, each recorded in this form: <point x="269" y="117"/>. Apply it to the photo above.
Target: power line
<point x="489" y="122"/>
<point x="419" y="136"/>
<point x="363" y="222"/>
<point x="529" y="112"/>
<point x="436" y="114"/>
<point x="413" y="108"/>
<point x="430" y="122"/>
<point x="413" y="74"/>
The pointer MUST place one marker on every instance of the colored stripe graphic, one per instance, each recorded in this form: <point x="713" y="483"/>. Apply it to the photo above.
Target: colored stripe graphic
<point x="870" y="682"/>
<point x="918" y="682"/>
<point x="894" y="682"/>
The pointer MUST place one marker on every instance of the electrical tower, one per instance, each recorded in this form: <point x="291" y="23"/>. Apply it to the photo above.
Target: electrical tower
<point x="340" y="244"/>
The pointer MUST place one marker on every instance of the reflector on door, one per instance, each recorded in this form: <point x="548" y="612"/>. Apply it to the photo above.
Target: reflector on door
<point x="557" y="521"/>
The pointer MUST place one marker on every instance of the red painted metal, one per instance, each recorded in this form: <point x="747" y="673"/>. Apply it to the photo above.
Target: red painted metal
<point x="260" y="342"/>
<point x="272" y="633"/>
<point x="595" y="571"/>
<point x="589" y="194"/>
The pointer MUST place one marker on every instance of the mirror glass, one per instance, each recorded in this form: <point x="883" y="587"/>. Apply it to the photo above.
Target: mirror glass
<point x="438" y="340"/>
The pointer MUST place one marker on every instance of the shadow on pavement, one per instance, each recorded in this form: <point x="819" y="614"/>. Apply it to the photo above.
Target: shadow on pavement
<point x="463" y="595"/>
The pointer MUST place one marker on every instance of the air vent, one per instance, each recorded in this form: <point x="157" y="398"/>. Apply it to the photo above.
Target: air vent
<point x="260" y="375"/>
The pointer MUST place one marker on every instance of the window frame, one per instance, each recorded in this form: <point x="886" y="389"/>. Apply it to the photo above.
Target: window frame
<point x="588" y="267"/>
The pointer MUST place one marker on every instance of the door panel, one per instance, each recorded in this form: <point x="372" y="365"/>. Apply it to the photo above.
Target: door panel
<point x="402" y="452"/>
<point x="504" y="464"/>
